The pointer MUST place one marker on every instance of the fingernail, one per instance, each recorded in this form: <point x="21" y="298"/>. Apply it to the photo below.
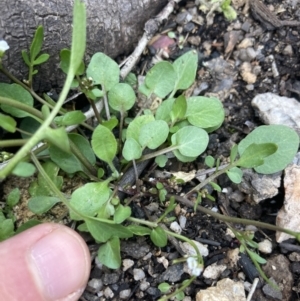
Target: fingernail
<point x="59" y="264"/>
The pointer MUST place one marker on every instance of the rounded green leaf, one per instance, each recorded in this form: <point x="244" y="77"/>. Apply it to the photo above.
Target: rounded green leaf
<point x="24" y="169"/>
<point x="159" y="237"/>
<point x="235" y="175"/>
<point x="70" y="118"/>
<point x="186" y="68"/>
<point x="161" y="78"/>
<point x="89" y="198"/>
<point x="103" y="70"/>
<point x="205" y="112"/>
<point x="121" y="97"/>
<point x="104" y="143"/>
<point x="131" y="150"/>
<point x="109" y="253"/>
<point x="41" y="204"/>
<point x="153" y="134"/>
<point x="16" y="92"/>
<point x="191" y="141"/>
<point x="284" y="137"/>
<point x="164" y="110"/>
<point x="13" y="197"/>
<point x="7" y="123"/>
<point x="121" y="214"/>
<point x="134" y="128"/>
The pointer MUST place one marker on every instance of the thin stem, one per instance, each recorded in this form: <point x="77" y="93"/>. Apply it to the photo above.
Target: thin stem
<point x="13" y="142"/>
<point x="157" y="153"/>
<point x="230" y="219"/>
<point x="105" y="100"/>
<point x="143" y="222"/>
<point x="97" y="114"/>
<point x="22" y="106"/>
<point x="210" y="178"/>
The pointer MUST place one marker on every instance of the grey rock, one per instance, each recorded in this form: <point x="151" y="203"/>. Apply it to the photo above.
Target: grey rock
<point x="274" y="109"/>
<point x="136" y="249"/>
<point x="271" y="291"/>
<point x="95" y="285"/>
<point x="258" y="186"/>
<point x="172" y="274"/>
<point x="138" y="274"/>
<point x="110" y="278"/>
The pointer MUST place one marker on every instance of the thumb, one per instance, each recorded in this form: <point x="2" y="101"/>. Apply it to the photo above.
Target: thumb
<point x="49" y="262"/>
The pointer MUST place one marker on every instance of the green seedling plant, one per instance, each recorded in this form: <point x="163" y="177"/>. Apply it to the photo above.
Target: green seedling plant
<point x="120" y="142"/>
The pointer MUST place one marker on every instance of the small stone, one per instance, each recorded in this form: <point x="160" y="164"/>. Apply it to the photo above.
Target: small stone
<point x="189" y="250"/>
<point x="189" y="27"/>
<point x="214" y="271"/>
<point x="144" y="285"/>
<point x="127" y="264"/>
<point x="124" y="294"/>
<point x="288" y="50"/>
<point x="288" y="216"/>
<point x="182" y="221"/>
<point x="138" y="274"/>
<point x="175" y="227"/>
<point x="172" y="274"/>
<point x="182" y="18"/>
<point x="274" y="109"/>
<point x="95" y="285"/>
<point x="271" y="291"/>
<point x="294" y="256"/>
<point x="226" y="290"/>
<point x="265" y="246"/>
<point x="108" y="293"/>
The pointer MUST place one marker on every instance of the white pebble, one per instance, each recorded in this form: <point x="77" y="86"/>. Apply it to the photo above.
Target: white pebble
<point x="127" y="264"/>
<point x="175" y="227"/>
<point x="125" y="294"/>
<point x="138" y="274"/>
<point x="182" y="221"/>
<point x="265" y="246"/>
<point x="108" y="293"/>
<point x="144" y="285"/>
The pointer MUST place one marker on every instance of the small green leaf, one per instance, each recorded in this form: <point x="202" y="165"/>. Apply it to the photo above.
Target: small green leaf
<point x="8" y="123"/>
<point x="209" y="161"/>
<point x="233" y="153"/>
<point x="131" y="150"/>
<point x="104" y="143"/>
<point x="13" y="197"/>
<point x="205" y="112"/>
<point x="6" y="229"/>
<point x="109" y="253"/>
<point x="256" y="257"/>
<point x="121" y="214"/>
<point x="65" y="56"/>
<point x="134" y="128"/>
<point x="37" y="43"/>
<point x="159" y="237"/>
<point x="26" y="57"/>
<point x="191" y="141"/>
<point x="285" y="138"/>
<point x="139" y="230"/>
<point x="183" y="158"/>
<point x="18" y="93"/>
<point x="186" y="68"/>
<point x="153" y="134"/>
<point x="103" y="70"/>
<point x="180" y="296"/>
<point x="161" y="160"/>
<point x="24" y="169"/>
<point x="215" y="186"/>
<point x="255" y="154"/>
<point x="103" y="231"/>
<point x="163" y="111"/>
<point x="70" y="118"/>
<point x="58" y="137"/>
<point x="161" y="78"/>
<point x="41" y="59"/>
<point x="178" y="109"/>
<point x="89" y="198"/>
<point x="121" y="97"/>
<point x="111" y="123"/>
<point x="42" y="204"/>
<point x="164" y="287"/>
<point x="235" y="175"/>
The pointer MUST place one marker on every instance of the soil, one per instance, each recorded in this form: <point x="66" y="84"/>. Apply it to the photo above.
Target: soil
<point x="275" y="69"/>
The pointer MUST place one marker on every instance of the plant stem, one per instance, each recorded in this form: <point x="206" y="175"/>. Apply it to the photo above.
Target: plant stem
<point x="19" y="105"/>
<point x="143" y="222"/>
<point x="13" y="142"/>
<point x="157" y="153"/>
<point x="230" y="219"/>
<point x="210" y="179"/>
